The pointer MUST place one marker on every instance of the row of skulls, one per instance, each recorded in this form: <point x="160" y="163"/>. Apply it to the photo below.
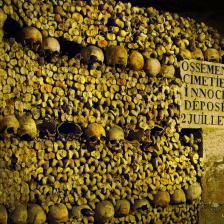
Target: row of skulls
<point x="104" y="211"/>
<point x="116" y="55"/>
<point x="27" y="129"/>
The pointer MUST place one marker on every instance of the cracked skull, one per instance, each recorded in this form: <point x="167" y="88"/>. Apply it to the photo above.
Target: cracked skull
<point x="115" y="137"/>
<point x="117" y="56"/>
<point x="92" y="54"/>
<point x="31" y="36"/>
<point x="28" y="128"/>
<point x="197" y="54"/>
<point x="95" y="134"/>
<point x="9" y="125"/>
<point x="212" y="55"/>
<point x="51" y="45"/>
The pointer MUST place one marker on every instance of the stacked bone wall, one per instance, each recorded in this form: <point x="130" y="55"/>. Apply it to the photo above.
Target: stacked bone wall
<point x="157" y="157"/>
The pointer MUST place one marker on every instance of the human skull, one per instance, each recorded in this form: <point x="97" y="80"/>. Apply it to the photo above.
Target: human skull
<point x="28" y="128"/>
<point x="51" y="45"/>
<point x="136" y="61"/>
<point x="142" y="204"/>
<point x="36" y="214"/>
<point x="152" y="67"/>
<point x="197" y="54"/>
<point x="162" y="199"/>
<point x="20" y="214"/>
<point x="9" y="125"/>
<point x="47" y="128"/>
<point x="167" y="71"/>
<point x="104" y="211"/>
<point x="69" y="130"/>
<point x="122" y="207"/>
<point x="3" y="18"/>
<point x="3" y="215"/>
<point x="185" y="54"/>
<point x="117" y="56"/>
<point x="178" y="197"/>
<point x="115" y="136"/>
<point x="193" y="192"/>
<point x="31" y="36"/>
<point x="92" y="54"/>
<point x="95" y="134"/>
<point x="212" y="55"/>
<point x="81" y="211"/>
<point x="57" y="213"/>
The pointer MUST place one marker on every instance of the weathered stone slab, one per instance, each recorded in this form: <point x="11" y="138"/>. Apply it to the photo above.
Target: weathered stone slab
<point x="211" y="215"/>
<point x="202" y="98"/>
<point x="213" y="180"/>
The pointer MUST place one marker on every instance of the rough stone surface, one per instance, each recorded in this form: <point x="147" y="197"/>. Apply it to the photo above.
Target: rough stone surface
<point x="212" y="212"/>
<point x="213" y="180"/>
<point x="211" y="215"/>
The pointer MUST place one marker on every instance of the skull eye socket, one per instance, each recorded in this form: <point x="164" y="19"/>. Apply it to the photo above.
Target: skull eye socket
<point x="214" y="59"/>
<point x="10" y="130"/>
<point x="144" y="207"/>
<point x="86" y="212"/>
<point x="93" y="139"/>
<point x="26" y="137"/>
<point x="113" y="142"/>
<point x="103" y="138"/>
<point x="93" y="59"/>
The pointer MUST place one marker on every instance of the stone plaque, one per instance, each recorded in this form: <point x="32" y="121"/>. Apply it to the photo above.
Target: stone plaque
<point x="202" y="98"/>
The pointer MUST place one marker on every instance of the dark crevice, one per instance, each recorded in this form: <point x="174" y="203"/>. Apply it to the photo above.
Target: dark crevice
<point x="11" y="28"/>
<point x="69" y="48"/>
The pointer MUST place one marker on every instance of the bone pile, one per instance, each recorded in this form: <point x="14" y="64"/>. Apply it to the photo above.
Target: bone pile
<point x="95" y="137"/>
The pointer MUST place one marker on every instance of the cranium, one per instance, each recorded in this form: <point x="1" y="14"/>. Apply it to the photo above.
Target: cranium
<point x="212" y="55"/>
<point x="142" y="204"/>
<point x="95" y="133"/>
<point x="3" y="18"/>
<point x="69" y="130"/>
<point x="167" y="71"/>
<point x="92" y="54"/>
<point x="122" y="207"/>
<point x="20" y="215"/>
<point x="81" y="211"/>
<point x="36" y="214"/>
<point x="193" y="192"/>
<point x="185" y="54"/>
<point x="28" y="128"/>
<point x="32" y="37"/>
<point x="115" y="136"/>
<point x="9" y="125"/>
<point x="117" y="56"/>
<point x="136" y="61"/>
<point x="178" y="197"/>
<point x="47" y="128"/>
<point x="51" y="45"/>
<point x="152" y="66"/>
<point x="57" y="213"/>
<point x="3" y="215"/>
<point x="162" y="199"/>
<point x="197" y="54"/>
<point x="104" y="211"/>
